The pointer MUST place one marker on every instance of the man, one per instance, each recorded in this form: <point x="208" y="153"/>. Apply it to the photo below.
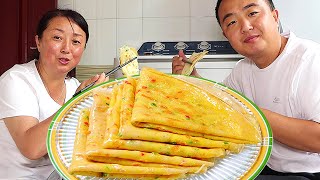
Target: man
<point x="280" y="73"/>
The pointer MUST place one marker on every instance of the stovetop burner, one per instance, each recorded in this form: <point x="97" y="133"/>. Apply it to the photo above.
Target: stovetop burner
<point x="172" y="48"/>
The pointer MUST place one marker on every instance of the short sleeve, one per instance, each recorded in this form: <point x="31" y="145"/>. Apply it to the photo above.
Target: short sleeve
<point x="17" y="96"/>
<point x="72" y="85"/>
<point x="307" y="85"/>
<point x="232" y="80"/>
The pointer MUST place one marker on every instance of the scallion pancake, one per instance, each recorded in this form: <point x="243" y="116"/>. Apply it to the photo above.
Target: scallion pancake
<point x="165" y="100"/>
<point x="125" y="101"/>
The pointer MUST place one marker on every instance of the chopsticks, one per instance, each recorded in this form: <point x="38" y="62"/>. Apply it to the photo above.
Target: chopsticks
<point x="107" y="74"/>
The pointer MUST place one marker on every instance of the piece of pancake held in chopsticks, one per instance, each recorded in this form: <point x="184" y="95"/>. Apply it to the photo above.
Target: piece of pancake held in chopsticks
<point x="167" y="101"/>
<point x="121" y="115"/>
<point x="191" y="62"/>
<point x="127" y="53"/>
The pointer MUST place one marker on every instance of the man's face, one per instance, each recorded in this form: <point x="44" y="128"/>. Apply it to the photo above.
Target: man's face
<point x="249" y="25"/>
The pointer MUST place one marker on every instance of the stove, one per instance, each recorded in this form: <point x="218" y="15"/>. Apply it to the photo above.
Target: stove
<point x="189" y="47"/>
<point x="216" y="65"/>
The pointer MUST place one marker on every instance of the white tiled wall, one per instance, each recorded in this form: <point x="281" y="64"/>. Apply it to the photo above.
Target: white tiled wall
<point x="202" y="8"/>
<point x="114" y="23"/>
<point x="166" y="29"/>
<point x="166" y="8"/>
<point x="130" y="9"/>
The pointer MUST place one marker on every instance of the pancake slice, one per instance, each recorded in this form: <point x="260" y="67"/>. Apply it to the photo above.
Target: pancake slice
<point x="149" y="157"/>
<point x="97" y="120"/>
<point x="101" y="126"/>
<point x="130" y="132"/>
<point x="126" y="162"/>
<point x="78" y="156"/>
<point x="125" y="101"/>
<point x="81" y="165"/>
<point x="164" y="100"/>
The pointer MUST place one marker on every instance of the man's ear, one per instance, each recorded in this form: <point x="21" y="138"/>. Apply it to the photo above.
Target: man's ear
<point x="275" y="14"/>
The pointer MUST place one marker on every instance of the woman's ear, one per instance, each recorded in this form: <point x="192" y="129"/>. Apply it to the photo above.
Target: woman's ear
<point x="36" y="38"/>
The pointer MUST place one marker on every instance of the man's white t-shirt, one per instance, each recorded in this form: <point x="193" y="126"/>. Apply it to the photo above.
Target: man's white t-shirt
<point x="289" y="86"/>
<point x="22" y="93"/>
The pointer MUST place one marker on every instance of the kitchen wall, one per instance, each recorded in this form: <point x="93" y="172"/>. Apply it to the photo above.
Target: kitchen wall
<point x="301" y="17"/>
<point x="114" y="23"/>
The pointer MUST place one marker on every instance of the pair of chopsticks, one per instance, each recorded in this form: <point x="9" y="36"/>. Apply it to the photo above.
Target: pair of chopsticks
<point x="107" y="74"/>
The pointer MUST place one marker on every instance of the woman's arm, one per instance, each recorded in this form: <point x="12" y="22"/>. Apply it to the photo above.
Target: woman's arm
<point x="29" y="135"/>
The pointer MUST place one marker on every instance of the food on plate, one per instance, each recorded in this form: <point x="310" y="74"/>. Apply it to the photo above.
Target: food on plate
<point x="169" y="102"/>
<point x="80" y="165"/>
<point x="156" y="126"/>
<point x="127" y="53"/>
<point x="79" y="148"/>
<point x="121" y="115"/>
<point x="126" y="130"/>
<point x="148" y="157"/>
<point x="101" y="102"/>
<point x="190" y="169"/>
<point x="191" y="62"/>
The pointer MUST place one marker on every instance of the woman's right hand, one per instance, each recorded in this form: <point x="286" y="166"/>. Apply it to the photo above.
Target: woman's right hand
<point x="178" y="63"/>
<point x="97" y="79"/>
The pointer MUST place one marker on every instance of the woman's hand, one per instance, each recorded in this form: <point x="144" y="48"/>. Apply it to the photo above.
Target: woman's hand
<point x="178" y="63"/>
<point x="97" y="79"/>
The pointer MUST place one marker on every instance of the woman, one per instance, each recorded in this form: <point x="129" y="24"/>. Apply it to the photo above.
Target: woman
<point x="31" y="93"/>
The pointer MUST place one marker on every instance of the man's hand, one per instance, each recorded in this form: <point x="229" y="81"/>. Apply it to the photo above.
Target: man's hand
<point x="178" y="63"/>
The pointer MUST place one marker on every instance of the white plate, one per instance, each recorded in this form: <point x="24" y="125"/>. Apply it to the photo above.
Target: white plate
<point x="245" y="165"/>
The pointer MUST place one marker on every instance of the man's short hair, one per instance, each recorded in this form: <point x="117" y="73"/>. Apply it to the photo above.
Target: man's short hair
<point x="271" y="5"/>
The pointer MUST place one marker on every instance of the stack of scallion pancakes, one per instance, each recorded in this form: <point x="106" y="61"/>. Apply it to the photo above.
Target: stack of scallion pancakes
<point x="156" y="126"/>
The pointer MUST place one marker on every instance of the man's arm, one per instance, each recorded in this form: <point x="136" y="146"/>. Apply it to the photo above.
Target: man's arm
<point x="297" y="133"/>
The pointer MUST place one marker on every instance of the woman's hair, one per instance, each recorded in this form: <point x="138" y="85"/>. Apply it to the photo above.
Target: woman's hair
<point x="70" y="14"/>
<point x="269" y="2"/>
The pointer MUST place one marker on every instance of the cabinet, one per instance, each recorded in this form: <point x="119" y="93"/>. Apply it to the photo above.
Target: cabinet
<point x="20" y="18"/>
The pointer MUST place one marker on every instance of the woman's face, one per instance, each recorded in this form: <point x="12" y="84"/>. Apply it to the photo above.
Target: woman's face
<point x="61" y="45"/>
